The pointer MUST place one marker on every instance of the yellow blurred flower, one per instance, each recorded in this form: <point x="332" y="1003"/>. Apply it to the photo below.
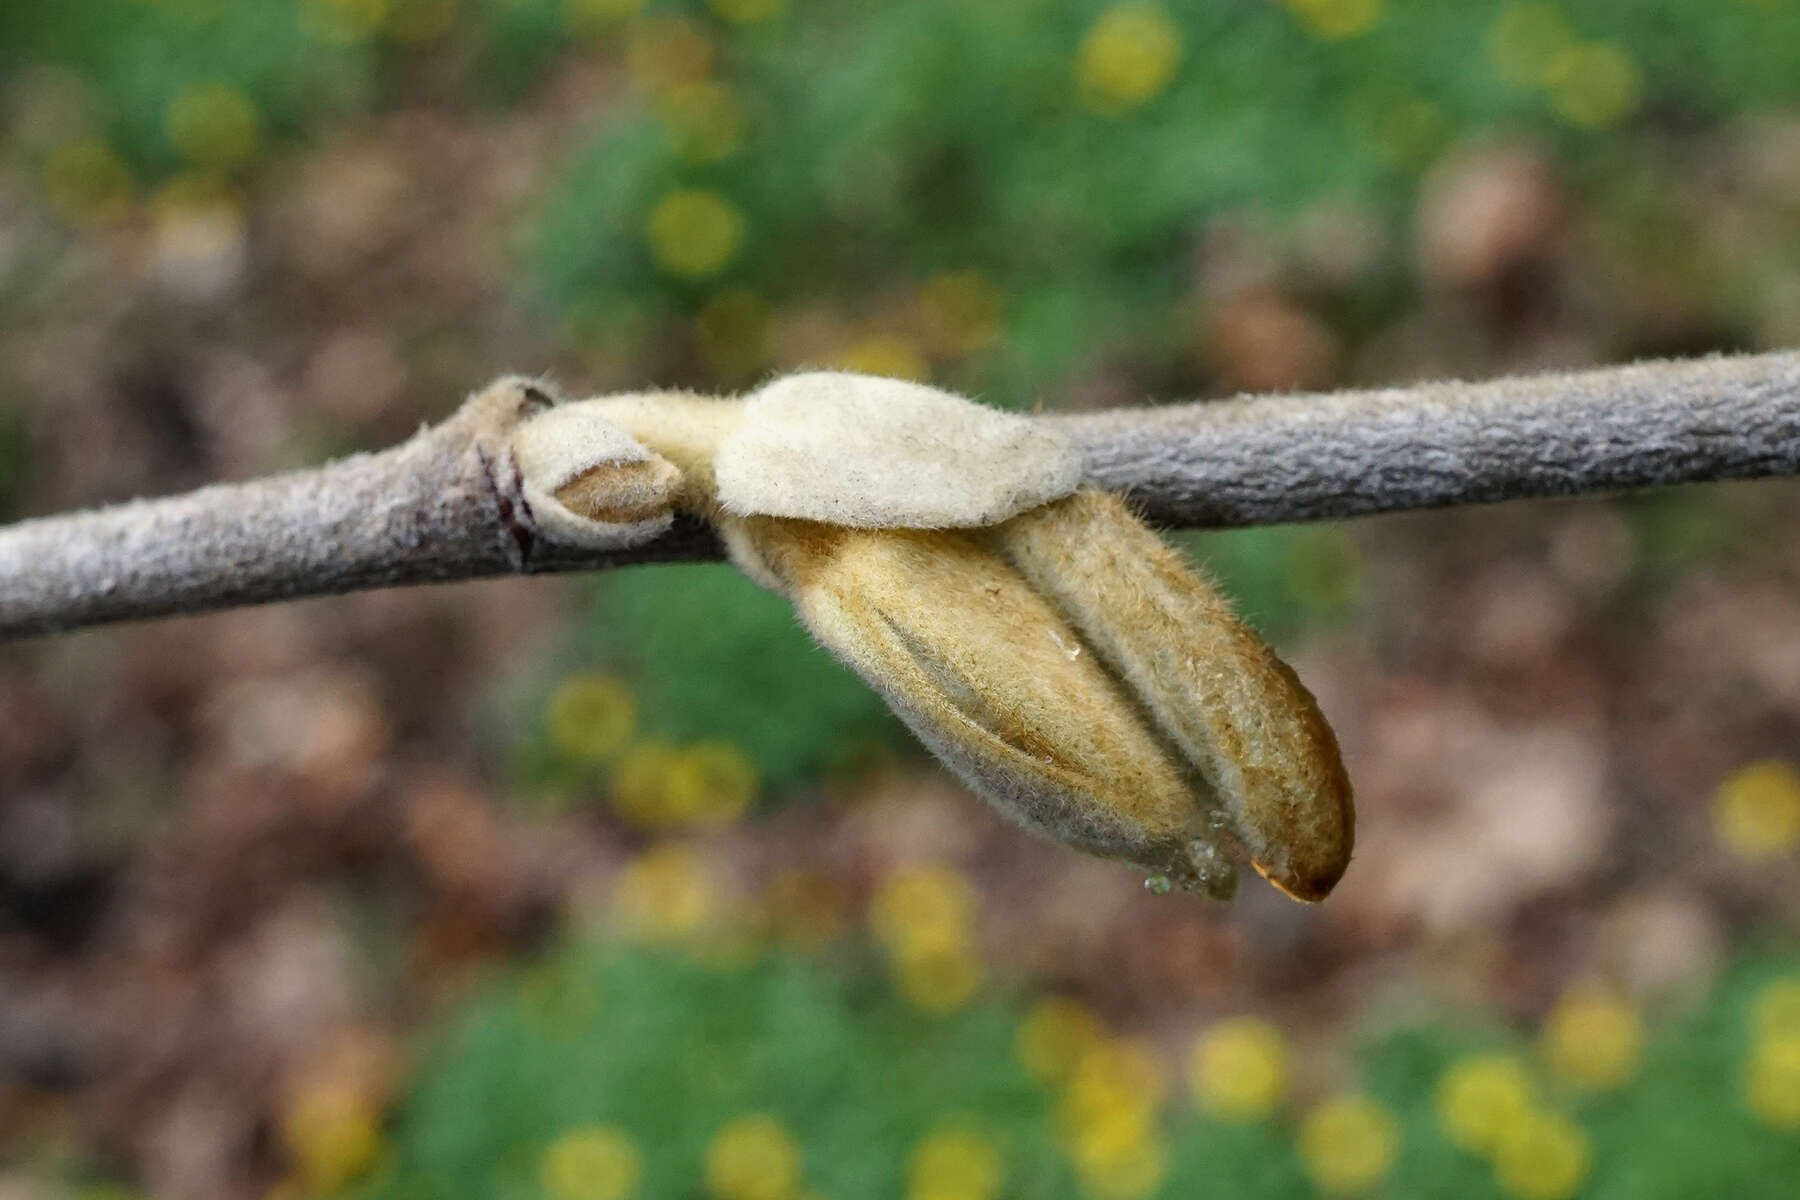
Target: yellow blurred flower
<point x="591" y="716"/>
<point x="885" y="354"/>
<point x="666" y="892"/>
<point x="705" y="119"/>
<point x="807" y="909"/>
<point x="694" y="232"/>
<point x="733" y="331"/>
<point x="708" y="784"/>
<point x="419" y="20"/>
<point x="187" y="195"/>
<point x="939" y="981"/>
<point x="1772" y="1081"/>
<point x="1592" y="1039"/>
<point x="88" y="184"/>
<point x="1114" y="1075"/>
<point x="922" y="910"/>
<point x="711" y="784"/>
<point x="1054" y="1036"/>
<point x="346" y="20"/>
<point x="1482" y="1099"/>
<point x="1776" y="1009"/>
<point x="961" y="311"/>
<point x="1349" y="1144"/>
<point x="1238" y="1069"/>
<point x="1126" y="57"/>
<point x="642" y="785"/>
<point x="1545" y="1157"/>
<point x="1756" y="810"/>
<point x="753" y="1158"/>
<point x="1107" y="1119"/>
<point x="747" y="12"/>
<point x="586" y="18"/>
<point x="667" y="51"/>
<point x="213" y="124"/>
<point x="1122" y="1169"/>
<point x="1525" y="40"/>
<point x="953" y="1163"/>
<point x="1594" y="84"/>
<point x="197" y="219"/>
<point x="1334" y="20"/>
<point x="332" y="1132"/>
<point x="593" y="1162"/>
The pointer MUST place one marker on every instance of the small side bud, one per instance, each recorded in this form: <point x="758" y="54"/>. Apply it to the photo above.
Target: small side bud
<point x="589" y="483"/>
<point x="872" y="453"/>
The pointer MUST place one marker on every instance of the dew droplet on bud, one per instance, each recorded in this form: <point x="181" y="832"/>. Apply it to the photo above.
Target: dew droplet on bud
<point x="1213" y="873"/>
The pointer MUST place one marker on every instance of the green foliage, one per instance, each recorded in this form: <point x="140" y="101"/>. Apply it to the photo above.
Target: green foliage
<point x="1283" y="578"/>
<point x="1679" y="1128"/>
<point x="668" y="1049"/>
<point x="1677" y="528"/>
<point x="885" y="143"/>
<point x="136" y="57"/>
<point x="711" y="655"/>
<point x="720" y="657"/>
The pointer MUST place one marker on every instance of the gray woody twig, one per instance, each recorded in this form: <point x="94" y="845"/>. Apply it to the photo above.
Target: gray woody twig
<point x="446" y="504"/>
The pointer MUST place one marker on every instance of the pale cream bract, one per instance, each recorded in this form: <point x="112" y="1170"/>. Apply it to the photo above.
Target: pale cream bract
<point x="873" y="453"/>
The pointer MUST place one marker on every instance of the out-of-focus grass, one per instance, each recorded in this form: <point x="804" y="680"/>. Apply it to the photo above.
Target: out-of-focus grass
<point x="855" y="1093"/>
<point x="1072" y="158"/>
<point x="713" y="656"/>
<point x="293" y="64"/>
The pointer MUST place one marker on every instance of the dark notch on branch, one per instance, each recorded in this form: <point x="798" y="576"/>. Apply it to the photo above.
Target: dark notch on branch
<point x="446" y="504"/>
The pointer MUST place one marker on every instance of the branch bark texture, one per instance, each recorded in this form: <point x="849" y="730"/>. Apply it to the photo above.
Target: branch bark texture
<point x="448" y="505"/>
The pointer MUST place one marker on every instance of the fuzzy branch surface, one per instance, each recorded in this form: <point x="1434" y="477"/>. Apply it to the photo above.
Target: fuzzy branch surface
<point x="448" y="504"/>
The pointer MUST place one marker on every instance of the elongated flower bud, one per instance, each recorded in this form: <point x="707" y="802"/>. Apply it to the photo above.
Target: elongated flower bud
<point x="1042" y="641"/>
<point x="996" y="683"/>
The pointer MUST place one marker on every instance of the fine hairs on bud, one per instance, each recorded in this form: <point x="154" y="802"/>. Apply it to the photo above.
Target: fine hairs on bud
<point x="589" y="483"/>
<point x="994" y="681"/>
<point x="1043" y="642"/>
<point x="1237" y="713"/>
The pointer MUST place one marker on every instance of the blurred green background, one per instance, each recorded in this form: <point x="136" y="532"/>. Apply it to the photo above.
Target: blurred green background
<point x="618" y="887"/>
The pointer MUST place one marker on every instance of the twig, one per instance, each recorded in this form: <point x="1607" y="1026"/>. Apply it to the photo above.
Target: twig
<point x="1299" y="458"/>
<point x="447" y="505"/>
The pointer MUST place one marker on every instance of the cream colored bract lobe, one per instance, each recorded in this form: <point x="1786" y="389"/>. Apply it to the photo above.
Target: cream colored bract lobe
<point x="831" y="447"/>
<point x="587" y="481"/>
<point x="1041" y="640"/>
